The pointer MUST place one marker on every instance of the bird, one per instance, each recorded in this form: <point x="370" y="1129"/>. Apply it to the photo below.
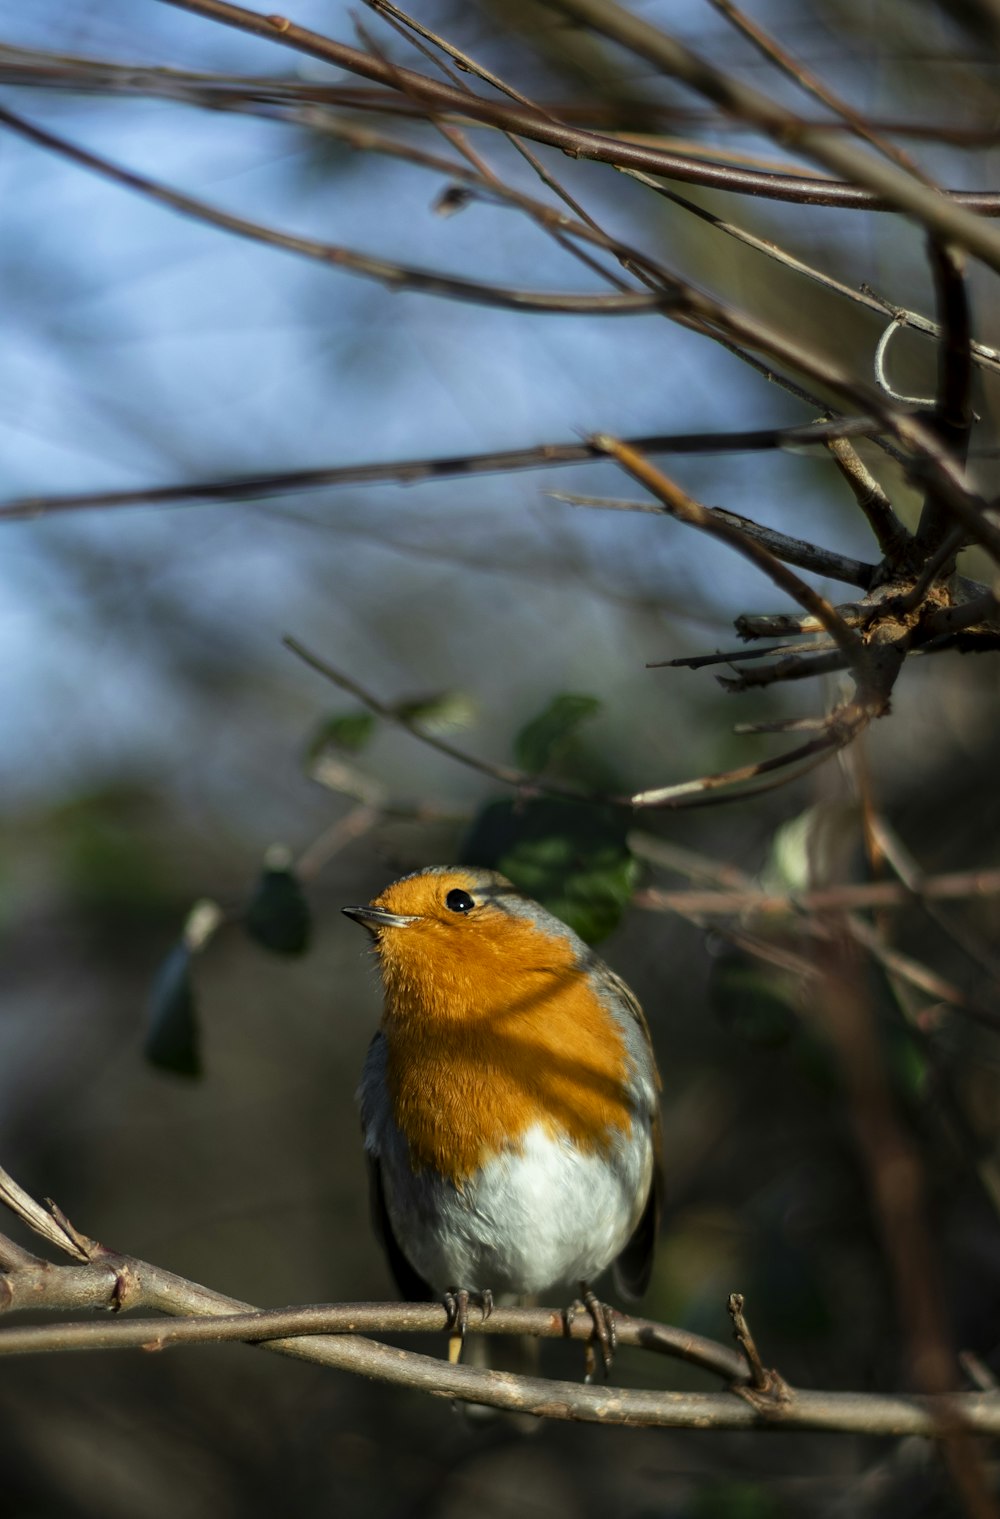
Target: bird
<point x="509" y="1103"/>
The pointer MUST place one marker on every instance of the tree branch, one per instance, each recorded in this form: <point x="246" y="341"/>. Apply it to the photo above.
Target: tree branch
<point x="577" y="143"/>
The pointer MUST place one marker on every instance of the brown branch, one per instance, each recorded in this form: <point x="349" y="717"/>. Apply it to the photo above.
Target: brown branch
<point x="797" y="551"/>
<point x="42" y="68"/>
<point x="864" y="295"/>
<point x="937" y="212"/>
<point x="959" y="886"/>
<point x="384" y="271"/>
<point x="508" y="775"/>
<point x="800" y="666"/>
<point x="939" y="470"/>
<point x="258" y="1326"/>
<point x="13" y="1257"/>
<point x="765" y="1385"/>
<point x="925" y="890"/>
<point x="242" y="488"/>
<point x="724" y="526"/>
<point x="48" y="1225"/>
<point x="737" y="656"/>
<point x="793" y="69"/>
<point x="114" y="1281"/>
<point x="953" y="408"/>
<point x="732" y="880"/>
<point x="891" y="535"/>
<point x="578" y="143"/>
<point x="414" y="30"/>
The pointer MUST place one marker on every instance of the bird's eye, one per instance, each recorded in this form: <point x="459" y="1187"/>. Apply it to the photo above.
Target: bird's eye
<point x="459" y="901"/>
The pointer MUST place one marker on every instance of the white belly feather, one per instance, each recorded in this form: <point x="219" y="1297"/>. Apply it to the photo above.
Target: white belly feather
<point x="535" y="1216"/>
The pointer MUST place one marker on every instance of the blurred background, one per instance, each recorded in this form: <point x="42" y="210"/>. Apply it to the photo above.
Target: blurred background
<point x="159" y="739"/>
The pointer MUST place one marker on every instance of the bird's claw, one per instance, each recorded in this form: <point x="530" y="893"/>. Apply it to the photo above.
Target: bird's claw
<point x="456" y="1306"/>
<point x="605" y="1332"/>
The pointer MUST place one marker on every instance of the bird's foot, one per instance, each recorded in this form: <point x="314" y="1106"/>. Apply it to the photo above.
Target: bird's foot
<point x="606" y="1335"/>
<point x="456" y="1304"/>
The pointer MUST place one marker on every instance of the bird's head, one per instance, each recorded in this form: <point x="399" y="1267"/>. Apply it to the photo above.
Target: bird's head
<point x="454" y="941"/>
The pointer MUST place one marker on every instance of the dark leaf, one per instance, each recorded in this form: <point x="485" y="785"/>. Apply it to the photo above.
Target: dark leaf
<point x="278" y="916"/>
<point x="571" y="857"/>
<point x="172" y="1032"/>
<point x="546" y="733"/>
<point x="350" y="731"/>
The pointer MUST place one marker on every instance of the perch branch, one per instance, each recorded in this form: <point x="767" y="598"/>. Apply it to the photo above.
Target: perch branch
<point x="327" y="1335"/>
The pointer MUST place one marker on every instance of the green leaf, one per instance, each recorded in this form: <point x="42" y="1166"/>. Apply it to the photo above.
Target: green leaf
<point x="172" y="1030"/>
<point x="545" y="734"/>
<point x="350" y="731"/>
<point x="571" y="857"/>
<point x="445" y="712"/>
<point x="278" y="916"/>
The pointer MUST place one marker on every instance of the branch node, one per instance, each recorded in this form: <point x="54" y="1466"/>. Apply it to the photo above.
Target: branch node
<point x="87" y="1248"/>
<point x="766" y="1387"/>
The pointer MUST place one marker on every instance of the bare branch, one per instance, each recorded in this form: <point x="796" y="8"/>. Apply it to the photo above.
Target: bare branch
<point x="864" y="296"/>
<point x="791" y="550"/>
<point x="682" y="506"/>
<point x="416" y="471"/>
<point x="396" y="276"/>
<point x="753" y="902"/>
<point x="792" y="68"/>
<point x="507" y="774"/>
<point x="891" y="535"/>
<point x="937" y="212"/>
<point x="329" y="1335"/>
<point x="622" y="153"/>
<point x="953" y="409"/>
<point x="54" y="1228"/>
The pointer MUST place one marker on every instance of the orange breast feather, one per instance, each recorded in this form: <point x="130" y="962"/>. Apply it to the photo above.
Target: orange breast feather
<point x="486" y="1039"/>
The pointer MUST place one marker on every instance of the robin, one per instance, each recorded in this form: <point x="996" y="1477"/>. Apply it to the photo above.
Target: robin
<point x="509" y="1102"/>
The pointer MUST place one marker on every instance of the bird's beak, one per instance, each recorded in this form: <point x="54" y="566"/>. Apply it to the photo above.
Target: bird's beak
<point x="374" y="918"/>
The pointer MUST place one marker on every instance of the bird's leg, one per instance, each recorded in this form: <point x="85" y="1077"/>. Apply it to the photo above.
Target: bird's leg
<point x="456" y="1304"/>
<point x="605" y="1333"/>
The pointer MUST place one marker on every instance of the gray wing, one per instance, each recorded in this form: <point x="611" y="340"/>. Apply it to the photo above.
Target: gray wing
<point x="634" y="1265"/>
<point x="374" y="1115"/>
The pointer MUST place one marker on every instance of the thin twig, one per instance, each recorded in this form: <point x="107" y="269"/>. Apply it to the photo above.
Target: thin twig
<point x="43" y="1223"/>
<point x="396" y="276"/>
<point x="797" y="551"/>
<point x="890" y="533"/>
<point x="794" y="69"/>
<point x="684" y="507"/>
<point x="241" y="488"/>
<point x="863" y="896"/>
<point x="937" y="212"/>
<point x="577" y="143"/>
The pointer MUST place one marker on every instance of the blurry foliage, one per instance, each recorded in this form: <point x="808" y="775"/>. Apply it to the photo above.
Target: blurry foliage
<point x="547" y="737"/>
<point x="757" y="1004"/>
<point x="351" y="731"/>
<point x="109" y="861"/>
<point x="571" y="857"/>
